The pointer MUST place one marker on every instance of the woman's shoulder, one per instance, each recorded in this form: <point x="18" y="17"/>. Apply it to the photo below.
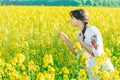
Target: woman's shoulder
<point x="92" y="30"/>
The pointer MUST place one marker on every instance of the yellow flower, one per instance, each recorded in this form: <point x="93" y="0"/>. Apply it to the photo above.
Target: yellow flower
<point x="19" y="58"/>
<point x="64" y="70"/>
<point x="107" y="52"/>
<point x="40" y="76"/>
<point x="84" y="58"/>
<point x="47" y="60"/>
<point x="51" y="69"/>
<point x="118" y="41"/>
<point x="95" y="69"/>
<point x="105" y="75"/>
<point x="65" y="77"/>
<point x="2" y="63"/>
<point x="47" y="76"/>
<point x="100" y="59"/>
<point x="114" y="58"/>
<point x="73" y="79"/>
<point x="33" y="66"/>
<point x="115" y="72"/>
<point x="1" y="72"/>
<point x="9" y="67"/>
<point x="14" y="75"/>
<point x="77" y="47"/>
<point x="23" y="67"/>
<point x="82" y="74"/>
<point x="24" y="76"/>
<point x="52" y="76"/>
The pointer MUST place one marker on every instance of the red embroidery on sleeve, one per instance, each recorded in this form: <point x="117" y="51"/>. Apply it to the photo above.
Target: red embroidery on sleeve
<point x="94" y="44"/>
<point x="94" y="41"/>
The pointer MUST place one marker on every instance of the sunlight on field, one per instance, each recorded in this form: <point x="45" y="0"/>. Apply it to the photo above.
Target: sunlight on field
<point x="30" y="48"/>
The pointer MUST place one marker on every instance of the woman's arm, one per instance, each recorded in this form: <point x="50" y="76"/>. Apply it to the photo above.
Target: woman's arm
<point x="69" y="44"/>
<point x="85" y="46"/>
<point x="67" y="41"/>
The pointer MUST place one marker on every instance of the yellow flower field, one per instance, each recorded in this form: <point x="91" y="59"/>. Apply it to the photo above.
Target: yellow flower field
<point x="30" y="48"/>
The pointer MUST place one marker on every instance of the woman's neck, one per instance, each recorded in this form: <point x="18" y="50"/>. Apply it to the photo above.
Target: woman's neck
<point x="80" y="27"/>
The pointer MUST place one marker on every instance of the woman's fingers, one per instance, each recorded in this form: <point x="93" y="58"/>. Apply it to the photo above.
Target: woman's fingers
<point x="62" y="35"/>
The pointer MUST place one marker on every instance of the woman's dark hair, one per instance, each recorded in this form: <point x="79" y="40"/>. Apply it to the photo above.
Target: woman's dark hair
<point x="82" y="15"/>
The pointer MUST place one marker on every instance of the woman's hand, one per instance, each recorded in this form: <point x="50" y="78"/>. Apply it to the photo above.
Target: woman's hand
<point x="63" y="36"/>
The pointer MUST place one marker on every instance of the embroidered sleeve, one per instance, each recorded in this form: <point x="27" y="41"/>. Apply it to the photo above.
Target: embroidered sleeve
<point x="94" y="42"/>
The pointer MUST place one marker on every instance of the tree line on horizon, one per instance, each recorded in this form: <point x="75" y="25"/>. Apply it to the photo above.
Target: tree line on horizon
<point x="62" y="2"/>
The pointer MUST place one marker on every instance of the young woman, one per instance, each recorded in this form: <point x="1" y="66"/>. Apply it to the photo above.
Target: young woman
<point x="89" y="38"/>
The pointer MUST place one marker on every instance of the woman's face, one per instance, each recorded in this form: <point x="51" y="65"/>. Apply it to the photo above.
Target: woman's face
<point x="75" y="22"/>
